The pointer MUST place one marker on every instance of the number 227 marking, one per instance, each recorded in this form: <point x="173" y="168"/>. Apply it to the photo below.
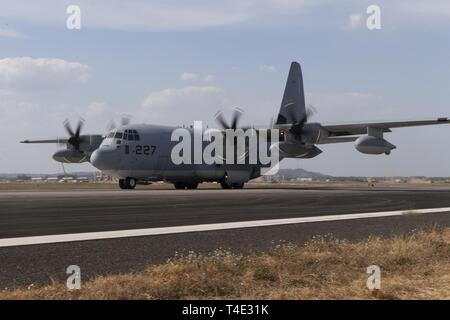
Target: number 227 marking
<point x="146" y="149"/>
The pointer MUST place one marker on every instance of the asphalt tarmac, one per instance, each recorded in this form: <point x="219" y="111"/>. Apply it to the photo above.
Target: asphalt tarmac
<point x="41" y="213"/>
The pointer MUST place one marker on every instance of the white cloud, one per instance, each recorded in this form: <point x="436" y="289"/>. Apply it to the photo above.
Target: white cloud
<point x="170" y="106"/>
<point x="11" y="33"/>
<point x="31" y="119"/>
<point x="210" y="78"/>
<point x="267" y="68"/>
<point x="188" y="76"/>
<point x="154" y="15"/>
<point x="355" y="21"/>
<point x="160" y="15"/>
<point x="22" y="119"/>
<point x="26" y="73"/>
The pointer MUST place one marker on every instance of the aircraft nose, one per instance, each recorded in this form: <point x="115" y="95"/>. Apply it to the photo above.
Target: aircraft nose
<point x="99" y="159"/>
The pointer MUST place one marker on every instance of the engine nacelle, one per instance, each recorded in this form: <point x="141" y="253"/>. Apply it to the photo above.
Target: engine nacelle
<point x="373" y="145"/>
<point x="309" y="134"/>
<point x="70" y="156"/>
<point x="312" y="132"/>
<point x="295" y="150"/>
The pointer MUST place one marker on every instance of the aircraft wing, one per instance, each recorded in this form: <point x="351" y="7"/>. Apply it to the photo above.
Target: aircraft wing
<point x="88" y="143"/>
<point x="89" y="138"/>
<point x="349" y="129"/>
<point x="61" y="141"/>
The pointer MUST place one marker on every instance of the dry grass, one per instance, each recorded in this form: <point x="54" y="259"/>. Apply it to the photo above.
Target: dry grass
<point x="416" y="266"/>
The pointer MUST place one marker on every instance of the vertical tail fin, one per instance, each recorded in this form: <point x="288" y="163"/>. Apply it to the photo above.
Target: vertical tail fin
<point x="292" y="108"/>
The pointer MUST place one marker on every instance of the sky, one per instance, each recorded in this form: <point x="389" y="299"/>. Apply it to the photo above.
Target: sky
<point x="173" y="62"/>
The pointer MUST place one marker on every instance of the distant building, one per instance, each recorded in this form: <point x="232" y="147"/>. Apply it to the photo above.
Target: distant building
<point x="419" y="180"/>
<point x="101" y="177"/>
<point x="67" y="179"/>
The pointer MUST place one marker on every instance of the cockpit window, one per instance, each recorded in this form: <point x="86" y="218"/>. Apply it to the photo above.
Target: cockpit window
<point x="131" y="135"/>
<point x="118" y="135"/>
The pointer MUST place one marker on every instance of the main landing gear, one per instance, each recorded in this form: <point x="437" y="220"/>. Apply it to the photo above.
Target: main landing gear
<point x="228" y="185"/>
<point x="183" y="185"/>
<point x="128" y="183"/>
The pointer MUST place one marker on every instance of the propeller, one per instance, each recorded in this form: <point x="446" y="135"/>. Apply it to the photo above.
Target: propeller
<point x="272" y="122"/>
<point x="298" y="127"/>
<point x="125" y="119"/>
<point x="237" y="114"/>
<point x="74" y="140"/>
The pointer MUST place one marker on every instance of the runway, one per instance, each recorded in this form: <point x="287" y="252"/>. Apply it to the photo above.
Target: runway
<point x="52" y="213"/>
<point x="33" y="213"/>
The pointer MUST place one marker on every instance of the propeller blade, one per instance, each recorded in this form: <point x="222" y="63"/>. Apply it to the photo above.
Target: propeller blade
<point x="310" y="111"/>
<point x="68" y="128"/>
<point x="125" y="119"/>
<point x="74" y="137"/>
<point x="237" y="114"/>
<point x="111" y="125"/>
<point x="272" y="122"/>
<point x="79" y="127"/>
<point x="220" y="119"/>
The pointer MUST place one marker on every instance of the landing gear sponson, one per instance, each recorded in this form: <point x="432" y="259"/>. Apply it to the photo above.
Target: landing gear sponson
<point x="130" y="183"/>
<point x="227" y="185"/>
<point x="193" y="185"/>
<point x="185" y="185"/>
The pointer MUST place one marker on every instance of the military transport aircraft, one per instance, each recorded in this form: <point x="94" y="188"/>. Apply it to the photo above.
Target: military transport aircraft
<point x="141" y="153"/>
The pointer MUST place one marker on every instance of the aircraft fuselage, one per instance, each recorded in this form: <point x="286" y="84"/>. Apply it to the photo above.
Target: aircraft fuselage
<point x="147" y="157"/>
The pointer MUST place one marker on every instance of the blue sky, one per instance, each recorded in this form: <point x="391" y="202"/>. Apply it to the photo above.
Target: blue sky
<point x="131" y="58"/>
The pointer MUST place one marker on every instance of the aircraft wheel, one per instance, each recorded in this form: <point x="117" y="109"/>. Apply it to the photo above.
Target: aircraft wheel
<point x="130" y="183"/>
<point x="226" y="185"/>
<point x="122" y="184"/>
<point x="192" y="185"/>
<point x="179" y="185"/>
<point x="238" y="185"/>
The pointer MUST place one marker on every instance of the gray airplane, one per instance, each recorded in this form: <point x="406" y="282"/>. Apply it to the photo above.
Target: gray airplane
<point x="141" y="153"/>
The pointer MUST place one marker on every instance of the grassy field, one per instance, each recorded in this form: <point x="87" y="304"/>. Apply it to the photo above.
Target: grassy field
<point x="416" y="266"/>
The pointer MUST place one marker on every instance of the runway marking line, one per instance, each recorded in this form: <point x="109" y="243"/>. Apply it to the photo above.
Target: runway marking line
<point x="33" y="240"/>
